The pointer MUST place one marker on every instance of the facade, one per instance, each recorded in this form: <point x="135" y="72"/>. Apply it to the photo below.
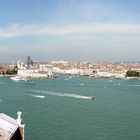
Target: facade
<point x="35" y="73"/>
<point x="73" y="71"/>
<point x="34" y="69"/>
<point x="108" y="74"/>
<point x="98" y="69"/>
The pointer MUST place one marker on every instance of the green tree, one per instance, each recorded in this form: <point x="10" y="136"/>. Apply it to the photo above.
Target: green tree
<point x="131" y="73"/>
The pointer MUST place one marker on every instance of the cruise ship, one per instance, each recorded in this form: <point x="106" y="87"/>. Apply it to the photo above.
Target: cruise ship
<point x="19" y="78"/>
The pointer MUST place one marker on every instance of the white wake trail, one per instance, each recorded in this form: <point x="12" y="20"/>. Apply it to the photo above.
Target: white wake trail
<point x="37" y="96"/>
<point x="63" y="94"/>
<point x="134" y="85"/>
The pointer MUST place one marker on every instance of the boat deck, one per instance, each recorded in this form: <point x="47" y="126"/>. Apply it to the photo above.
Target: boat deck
<point x="8" y="126"/>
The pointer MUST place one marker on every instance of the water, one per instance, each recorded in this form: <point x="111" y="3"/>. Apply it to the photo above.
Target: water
<point x="61" y="110"/>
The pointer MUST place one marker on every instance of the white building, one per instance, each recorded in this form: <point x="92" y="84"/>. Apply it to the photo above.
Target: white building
<point x="73" y="71"/>
<point x="35" y="73"/>
<point x="107" y="74"/>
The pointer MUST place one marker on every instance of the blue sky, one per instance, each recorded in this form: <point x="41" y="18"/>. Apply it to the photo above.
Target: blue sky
<point x="76" y="30"/>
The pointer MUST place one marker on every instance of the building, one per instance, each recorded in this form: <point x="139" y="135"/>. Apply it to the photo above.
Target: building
<point x="35" y="73"/>
<point x="34" y="70"/>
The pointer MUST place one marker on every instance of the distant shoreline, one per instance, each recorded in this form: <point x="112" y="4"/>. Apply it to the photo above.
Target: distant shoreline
<point x="6" y="76"/>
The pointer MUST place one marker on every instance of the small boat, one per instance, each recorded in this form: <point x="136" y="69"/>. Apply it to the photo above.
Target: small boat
<point x="92" y="97"/>
<point x="88" y="97"/>
<point x="19" y="78"/>
<point x="81" y="84"/>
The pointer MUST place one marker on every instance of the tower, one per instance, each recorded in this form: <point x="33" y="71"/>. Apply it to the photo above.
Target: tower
<point x="29" y="62"/>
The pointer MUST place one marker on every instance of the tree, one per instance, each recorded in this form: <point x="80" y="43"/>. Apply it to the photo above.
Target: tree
<point x="131" y="73"/>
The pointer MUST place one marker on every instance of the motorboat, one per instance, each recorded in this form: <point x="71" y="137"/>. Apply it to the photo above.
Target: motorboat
<point x="92" y="97"/>
<point x="88" y="97"/>
<point x="19" y="78"/>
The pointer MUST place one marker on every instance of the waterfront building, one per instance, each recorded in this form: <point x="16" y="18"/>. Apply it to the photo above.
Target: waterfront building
<point x="35" y="73"/>
<point x="98" y="69"/>
<point x="29" y="69"/>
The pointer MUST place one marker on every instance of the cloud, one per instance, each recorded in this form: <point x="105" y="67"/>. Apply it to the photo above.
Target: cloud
<point x="94" y="29"/>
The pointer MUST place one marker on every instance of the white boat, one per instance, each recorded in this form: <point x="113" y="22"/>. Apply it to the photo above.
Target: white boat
<point x="19" y="78"/>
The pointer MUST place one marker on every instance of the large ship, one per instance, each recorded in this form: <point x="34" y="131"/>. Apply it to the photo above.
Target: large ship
<point x="19" y="78"/>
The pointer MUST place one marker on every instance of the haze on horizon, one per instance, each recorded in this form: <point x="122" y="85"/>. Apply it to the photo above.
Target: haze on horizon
<point x="70" y="30"/>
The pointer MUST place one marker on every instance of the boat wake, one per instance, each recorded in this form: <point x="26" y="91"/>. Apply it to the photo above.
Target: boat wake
<point x="134" y="85"/>
<point x="30" y="82"/>
<point x="117" y="84"/>
<point x="104" y="86"/>
<point x="37" y="96"/>
<point x="81" y="84"/>
<point x="63" y="94"/>
<point x="3" y="82"/>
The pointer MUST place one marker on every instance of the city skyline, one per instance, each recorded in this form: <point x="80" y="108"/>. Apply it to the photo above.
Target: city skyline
<point x="89" y="30"/>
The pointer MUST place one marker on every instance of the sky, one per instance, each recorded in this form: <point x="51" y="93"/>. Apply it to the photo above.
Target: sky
<point x="71" y="30"/>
